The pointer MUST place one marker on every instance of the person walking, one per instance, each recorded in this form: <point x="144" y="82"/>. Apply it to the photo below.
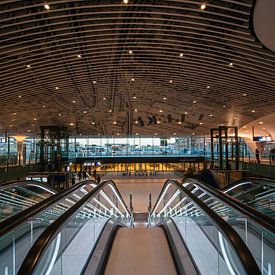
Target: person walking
<point x="257" y="155"/>
<point x="272" y="156"/>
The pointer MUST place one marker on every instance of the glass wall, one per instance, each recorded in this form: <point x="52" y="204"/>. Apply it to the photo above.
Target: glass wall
<point x="135" y="146"/>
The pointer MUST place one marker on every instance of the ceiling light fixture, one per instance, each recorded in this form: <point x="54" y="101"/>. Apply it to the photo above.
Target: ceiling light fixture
<point x="132" y="79"/>
<point x="71" y="124"/>
<point x="28" y="66"/>
<point x="47" y="6"/>
<point x="125" y="2"/>
<point x="130" y="52"/>
<point x="56" y="88"/>
<point x="94" y="82"/>
<point x="73" y="101"/>
<point x="253" y="111"/>
<point x="203" y="6"/>
<point x="170" y="81"/>
<point x="79" y="55"/>
<point x="104" y="98"/>
<point x="208" y="87"/>
<point x="135" y="110"/>
<point x="261" y="122"/>
<point x="244" y="94"/>
<point x="160" y="111"/>
<point x="165" y="98"/>
<point x="194" y="101"/>
<point x="231" y="64"/>
<point x="181" y="54"/>
<point x="115" y="122"/>
<point x="20" y="96"/>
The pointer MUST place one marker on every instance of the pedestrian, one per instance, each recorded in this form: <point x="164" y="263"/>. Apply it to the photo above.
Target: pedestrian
<point x="98" y="179"/>
<point x="73" y="180"/>
<point x="257" y="155"/>
<point x="272" y="155"/>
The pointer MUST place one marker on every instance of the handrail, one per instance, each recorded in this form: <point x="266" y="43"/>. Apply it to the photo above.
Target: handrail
<point x="251" y="179"/>
<point x="261" y="219"/>
<point x="34" y="255"/>
<point x="17" y="219"/>
<point x="20" y="183"/>
<point x="249" y="264"/>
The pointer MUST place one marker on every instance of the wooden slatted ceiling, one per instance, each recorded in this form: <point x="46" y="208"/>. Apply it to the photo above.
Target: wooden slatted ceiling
<point x="105" y="65"/>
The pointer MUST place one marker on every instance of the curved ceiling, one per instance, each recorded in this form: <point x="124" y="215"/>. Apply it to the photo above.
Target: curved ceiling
<point x="143" y="67"/>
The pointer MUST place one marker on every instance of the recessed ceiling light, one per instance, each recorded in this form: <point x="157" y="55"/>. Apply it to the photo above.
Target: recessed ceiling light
<point x="201" y="123"/>
<point x="135" y="110"/>
<point x="115" y="122"/>
<point x="47" y="6"/>
<point x="132" y="79"/>
<point x="244" y="127"/>
<point x="130" y="52"/>
<point x="79" y="55"/>
<point x="117" y="134"/>
<point x="222" y="124"/>
<point x="134" y="97"/>
<point x="35" y="118"/>
<point x="93" y="123"/>
<point x="203" y="6"/>
<point x="13" y="119"/>
<point x="261" y="122"/>
<point x="73" y="101"/>
<point x="174" y="134"/>
<point x="158" y="121"/>
<point x="160" y="111"/>
<point x="136" y="122"/>
<point x="72" y="124"/>
<point x="210" y="114"/>
<point x="104" y="98"/>
<point x="246" y="131"/>
<point x="170" y="81"/>
<point x="59" y="114"/>
<point x="20" y="96"/>
<point x="14" y="113"/>
<point x="185" y="113"/>
<point x="56" y="88"/>
<point x="110" y="110"/>
<point x="136" y="134"/>
<point x="94" y="82"/>
<point x="44" y="106"/>
<point x="181" y="54"/>
<point x="125" y="1"/>
<point x="32" y="124"/>
<point x="11" y="125"/>
<point x="194" y="101"/>
<point x="165" y="98"/>
<point x="193" y="133"/>
<point x="253" y="111"/>
<point x="223" y="106"/>
<point x="235" y="117"/>
<point x="84" y="112"/>
<point x="231" y="64"/>
<point x="156" y="134"/>
<point x="244" y="94"/>
<point x="179" y="122"/>
<point x="208" y="87"/>
<point x="28" y="130"/>
<point x="28" y="66"/>
<point x="263" y="128"/>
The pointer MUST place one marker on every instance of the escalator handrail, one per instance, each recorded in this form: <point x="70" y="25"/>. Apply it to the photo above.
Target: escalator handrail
<point x="36" y="252"/>
<point x="248" y="262"/>
<point x="252" y="180"/>
<point x="22" y="216"/>
<point x="22" y="183"/>
<point x="259" y="218"/>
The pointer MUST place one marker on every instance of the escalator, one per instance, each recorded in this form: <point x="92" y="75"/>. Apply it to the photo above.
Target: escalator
<point x="19" y="232"/>
<point x="19" y="195"/>
<point x="256" y="192"/>
<point x="184" y="236"/>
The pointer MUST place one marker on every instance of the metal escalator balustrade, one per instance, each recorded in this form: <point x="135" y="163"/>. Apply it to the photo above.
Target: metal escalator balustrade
<point x="19" y="232"/>
<point x="19" y="195"/>
<point x="66" y="245"/>
<point x="258" y="193"/>
<point x="213" y="244"/>
<point x="256" y="229"/>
